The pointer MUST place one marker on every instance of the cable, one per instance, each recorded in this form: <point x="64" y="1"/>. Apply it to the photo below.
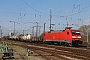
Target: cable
<point x="34" y="8"/>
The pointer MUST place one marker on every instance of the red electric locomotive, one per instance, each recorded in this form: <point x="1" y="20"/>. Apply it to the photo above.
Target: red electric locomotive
<point x="65" y="37"/>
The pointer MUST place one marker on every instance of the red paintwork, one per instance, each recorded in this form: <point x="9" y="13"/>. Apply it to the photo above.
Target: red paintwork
<point x="61" y="35"/>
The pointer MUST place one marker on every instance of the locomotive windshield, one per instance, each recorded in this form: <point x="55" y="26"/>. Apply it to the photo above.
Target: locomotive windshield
<point x="75" y="32"/>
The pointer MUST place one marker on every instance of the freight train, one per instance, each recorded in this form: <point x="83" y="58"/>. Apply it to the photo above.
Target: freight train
<point x="62" y="37"/>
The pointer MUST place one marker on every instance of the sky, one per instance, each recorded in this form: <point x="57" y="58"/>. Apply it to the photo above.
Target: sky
<point x="25" y="14"/>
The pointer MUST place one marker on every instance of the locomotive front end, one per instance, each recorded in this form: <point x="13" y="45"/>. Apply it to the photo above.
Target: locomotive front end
<point x="76" y="38"/>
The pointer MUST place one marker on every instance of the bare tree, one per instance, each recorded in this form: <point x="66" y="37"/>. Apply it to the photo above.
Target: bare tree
<point x="85" y="32"/>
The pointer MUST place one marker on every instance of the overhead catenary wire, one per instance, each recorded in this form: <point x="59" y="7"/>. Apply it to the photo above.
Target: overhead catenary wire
<point x="80" y="10"/>
<point x="24" y="14"/>
<point x="15" y="12"/>
<point x="34" y="8"/>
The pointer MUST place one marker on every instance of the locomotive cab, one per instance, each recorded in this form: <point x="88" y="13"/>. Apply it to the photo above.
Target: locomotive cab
<point x="76" y="38"/>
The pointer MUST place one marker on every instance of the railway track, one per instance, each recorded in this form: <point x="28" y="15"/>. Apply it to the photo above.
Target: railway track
<point x="68" y="54"/>
<point x="52" y="52"/>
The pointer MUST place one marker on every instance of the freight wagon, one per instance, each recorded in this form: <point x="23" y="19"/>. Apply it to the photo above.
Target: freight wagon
<point x="64" y="37"/>
<point x="26" y="37"/>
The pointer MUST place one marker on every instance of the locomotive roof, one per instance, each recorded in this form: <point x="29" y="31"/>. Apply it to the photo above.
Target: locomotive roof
<point x="56" y="31"/>
<point x="75" y="30"/>
<point x="63" y="30"/>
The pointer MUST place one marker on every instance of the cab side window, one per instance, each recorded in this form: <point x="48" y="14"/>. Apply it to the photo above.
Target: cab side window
<point x="67" y="33"/>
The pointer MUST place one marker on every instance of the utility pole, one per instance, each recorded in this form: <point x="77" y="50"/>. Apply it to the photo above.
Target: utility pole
<point x="37" y="33"/>
<point x="0" y="32"/>
<point x="14" y="27"/>
<point x="33" y="30"/>
<point x="50" y="19"/>
<point x="87" y="33"/>
<point x="39" y="30"/>
<point x="44" y="27"/>
<point x="23" y="32"/>
<point x="67" y="21"/>
<point x="36" y="29"/>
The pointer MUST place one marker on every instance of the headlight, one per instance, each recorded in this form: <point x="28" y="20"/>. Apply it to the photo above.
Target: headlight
<point x="76" y="36"/>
